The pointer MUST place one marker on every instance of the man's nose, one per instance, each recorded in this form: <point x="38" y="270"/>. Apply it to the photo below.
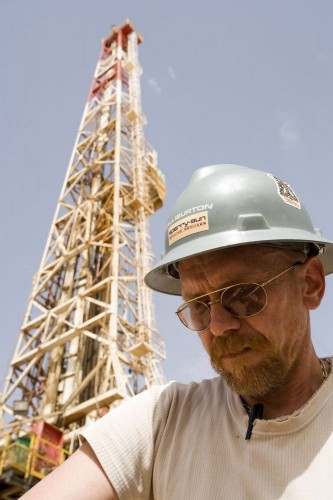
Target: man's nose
<point x="222" y="320"/>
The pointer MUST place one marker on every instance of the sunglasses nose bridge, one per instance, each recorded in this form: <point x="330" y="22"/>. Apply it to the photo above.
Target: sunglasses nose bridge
<point x="211" y="302"/>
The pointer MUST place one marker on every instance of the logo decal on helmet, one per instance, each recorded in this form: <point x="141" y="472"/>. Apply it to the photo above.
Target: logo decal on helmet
<point x="192" y="210"/>
<point x="286" y="192"/>
<point x="188" y="225"/>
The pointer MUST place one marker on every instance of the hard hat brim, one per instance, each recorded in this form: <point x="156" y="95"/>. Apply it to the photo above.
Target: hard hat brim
<point x="160" y="281"/>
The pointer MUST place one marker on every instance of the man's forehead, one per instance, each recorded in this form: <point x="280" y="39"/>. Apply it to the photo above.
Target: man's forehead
<point x="216" y="269"/>
<point x="247" y="254"/>
<point x="205" y="272"/>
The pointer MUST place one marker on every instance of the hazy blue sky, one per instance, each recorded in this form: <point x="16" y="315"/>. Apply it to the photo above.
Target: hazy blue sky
<point x="247" y="82"/>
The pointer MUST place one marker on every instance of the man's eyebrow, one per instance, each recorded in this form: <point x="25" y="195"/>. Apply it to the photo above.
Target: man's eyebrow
<point x="228" y="281"/>
<point x="206" y="294"/>
<point x="188" y="298"/>
<point x="191" y="296"/>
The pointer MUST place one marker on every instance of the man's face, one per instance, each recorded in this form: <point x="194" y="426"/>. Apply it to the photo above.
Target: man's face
<point x="256" y="354"/>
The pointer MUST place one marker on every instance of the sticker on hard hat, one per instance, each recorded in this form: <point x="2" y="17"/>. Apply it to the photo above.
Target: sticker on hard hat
<point x="286" y="192"/>
<point x="189" y="225"/>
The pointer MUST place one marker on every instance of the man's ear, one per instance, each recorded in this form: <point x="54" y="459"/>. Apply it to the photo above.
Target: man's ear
<point x="314" y="283"/>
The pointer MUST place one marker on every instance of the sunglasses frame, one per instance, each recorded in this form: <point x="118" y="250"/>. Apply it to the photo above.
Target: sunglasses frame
<point x="207" y="304"/>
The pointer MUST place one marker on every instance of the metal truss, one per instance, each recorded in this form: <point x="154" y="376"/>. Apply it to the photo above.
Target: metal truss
<point x="88" y="339"/>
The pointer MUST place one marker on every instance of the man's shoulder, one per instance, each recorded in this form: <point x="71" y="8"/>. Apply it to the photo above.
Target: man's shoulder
<point x="177" y="394"/>
<point x="207" y="385"/>
<point x="191" y="387"/>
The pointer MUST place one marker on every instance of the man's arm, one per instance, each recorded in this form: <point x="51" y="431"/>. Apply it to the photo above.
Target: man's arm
<point x="79" y="477"/>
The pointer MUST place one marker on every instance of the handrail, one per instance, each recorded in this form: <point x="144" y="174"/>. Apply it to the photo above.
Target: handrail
<point x="37" y="458"/>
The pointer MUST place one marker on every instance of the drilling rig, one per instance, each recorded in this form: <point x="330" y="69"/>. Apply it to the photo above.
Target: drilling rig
<point x="88" y="339"/>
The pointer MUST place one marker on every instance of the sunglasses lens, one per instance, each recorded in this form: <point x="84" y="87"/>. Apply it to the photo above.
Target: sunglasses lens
<point x="195" y="315"/>
<point x="244" y="300"/>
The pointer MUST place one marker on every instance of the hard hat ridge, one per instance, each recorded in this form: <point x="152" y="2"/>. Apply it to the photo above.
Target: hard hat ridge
<point x="232" y="205"/>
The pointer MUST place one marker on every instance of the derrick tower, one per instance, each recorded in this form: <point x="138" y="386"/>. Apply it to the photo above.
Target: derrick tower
<point x="88" y="339"/>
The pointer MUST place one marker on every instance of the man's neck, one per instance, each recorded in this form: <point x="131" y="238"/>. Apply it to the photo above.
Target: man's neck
<point x="295" y="393"/>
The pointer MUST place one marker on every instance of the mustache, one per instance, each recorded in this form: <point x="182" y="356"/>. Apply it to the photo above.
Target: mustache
<point x="234" y="343"/>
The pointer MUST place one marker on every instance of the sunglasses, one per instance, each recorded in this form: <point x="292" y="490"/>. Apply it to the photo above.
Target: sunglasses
<point x="243" y="300"/>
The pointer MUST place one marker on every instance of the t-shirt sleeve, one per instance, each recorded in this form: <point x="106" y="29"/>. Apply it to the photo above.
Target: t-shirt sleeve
<point x="123" y="441"/>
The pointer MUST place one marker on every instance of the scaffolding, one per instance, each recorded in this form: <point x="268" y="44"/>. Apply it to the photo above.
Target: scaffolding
<point x="89" y="339"/>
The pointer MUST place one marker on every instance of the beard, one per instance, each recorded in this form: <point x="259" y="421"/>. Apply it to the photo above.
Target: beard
<point x="249" y="380"/>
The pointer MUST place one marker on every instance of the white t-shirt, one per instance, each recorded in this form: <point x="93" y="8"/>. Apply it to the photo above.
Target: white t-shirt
<point x="187" y="442"/>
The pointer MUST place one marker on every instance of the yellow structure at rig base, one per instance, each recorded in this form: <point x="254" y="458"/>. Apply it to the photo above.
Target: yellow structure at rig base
<point x="25" y="459"/>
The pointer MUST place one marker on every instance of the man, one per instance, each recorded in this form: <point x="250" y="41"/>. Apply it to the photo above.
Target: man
<point x="243" y="253"/>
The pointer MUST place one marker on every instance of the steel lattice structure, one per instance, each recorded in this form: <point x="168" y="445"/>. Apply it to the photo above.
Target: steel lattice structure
<point x="88" y="339"/>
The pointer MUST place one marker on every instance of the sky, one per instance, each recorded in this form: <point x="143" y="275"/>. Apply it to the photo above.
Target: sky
<point x="224" y="81"/>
